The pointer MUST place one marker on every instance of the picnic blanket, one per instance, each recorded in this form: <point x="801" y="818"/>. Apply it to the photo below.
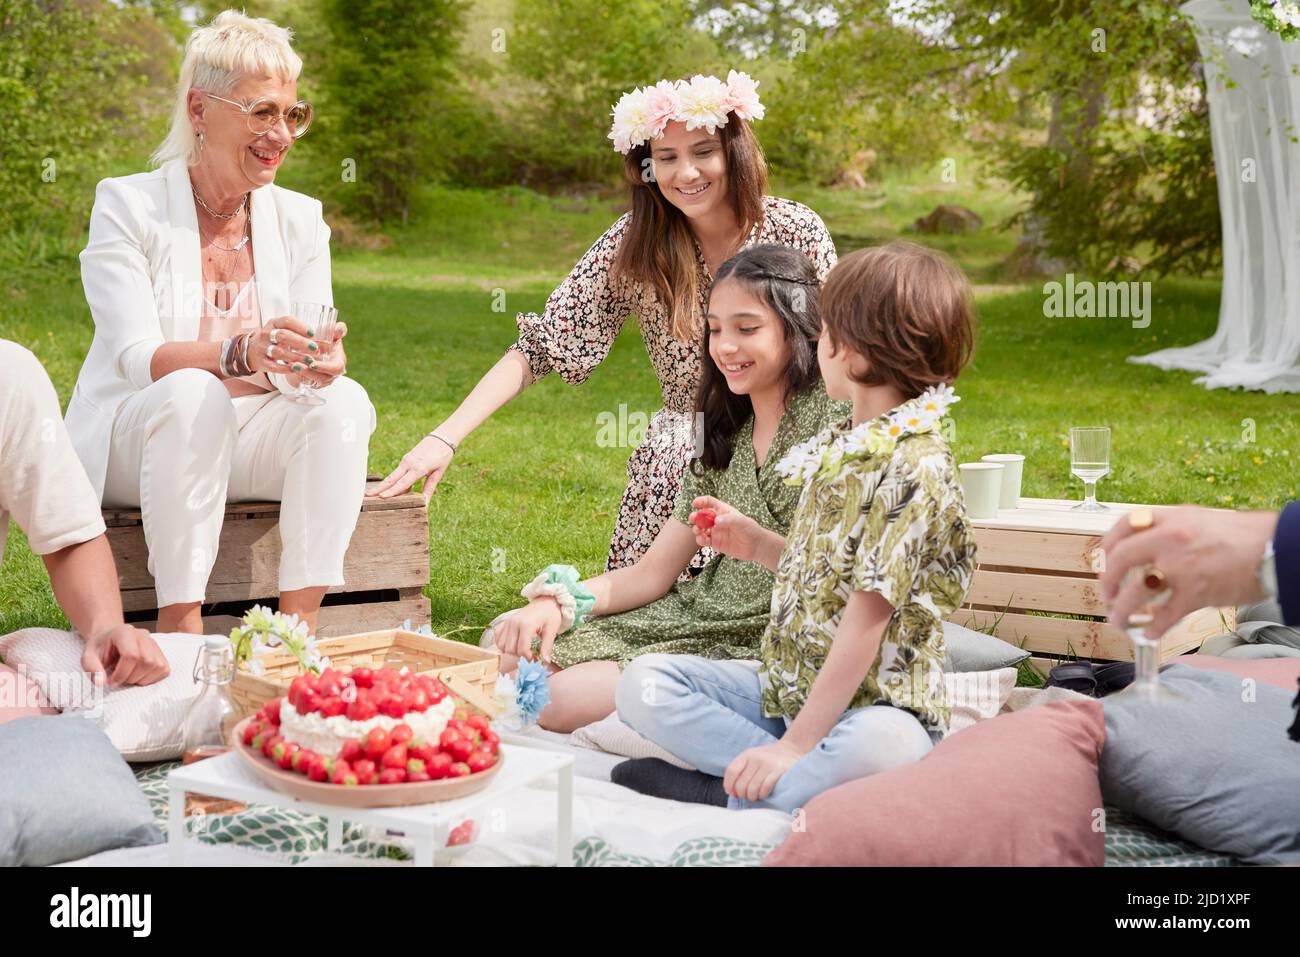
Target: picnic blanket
<point x="613" y="827"/>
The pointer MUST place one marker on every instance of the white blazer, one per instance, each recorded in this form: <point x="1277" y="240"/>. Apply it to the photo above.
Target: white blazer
<point x="143" y="280"/>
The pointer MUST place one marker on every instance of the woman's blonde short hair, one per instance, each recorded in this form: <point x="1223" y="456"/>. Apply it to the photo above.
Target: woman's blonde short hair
<point x="217" y="56"/>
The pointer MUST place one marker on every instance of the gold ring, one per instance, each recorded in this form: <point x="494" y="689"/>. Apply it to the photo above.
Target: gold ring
<point x="1141" y="518"/>
<point x="1154" y="579"/>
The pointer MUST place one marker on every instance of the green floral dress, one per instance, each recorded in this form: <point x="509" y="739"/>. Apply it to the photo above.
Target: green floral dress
<point x="893" y="522"/>
<point x="721" y="613"/>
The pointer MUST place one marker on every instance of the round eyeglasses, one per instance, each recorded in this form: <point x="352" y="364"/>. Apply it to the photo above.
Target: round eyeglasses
<point x="264" y="113"/>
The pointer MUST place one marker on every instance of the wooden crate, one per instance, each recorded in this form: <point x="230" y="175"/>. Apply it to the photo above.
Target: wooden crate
<point x="1037" y="580"/>
<point x="468" y="671"/>
<point x="385" y="569"/>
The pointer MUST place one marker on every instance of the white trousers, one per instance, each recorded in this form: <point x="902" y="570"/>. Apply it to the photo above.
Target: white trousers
<point x="182" y="448"/>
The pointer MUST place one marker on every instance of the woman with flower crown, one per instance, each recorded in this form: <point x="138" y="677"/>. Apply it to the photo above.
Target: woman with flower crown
<point x="697" y="181"/>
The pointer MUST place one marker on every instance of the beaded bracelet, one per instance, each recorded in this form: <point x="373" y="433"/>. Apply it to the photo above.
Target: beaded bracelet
<point x="564" y="584"/>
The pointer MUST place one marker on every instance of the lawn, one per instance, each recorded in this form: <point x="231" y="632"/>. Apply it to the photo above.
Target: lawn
<point x="431" y="313"/>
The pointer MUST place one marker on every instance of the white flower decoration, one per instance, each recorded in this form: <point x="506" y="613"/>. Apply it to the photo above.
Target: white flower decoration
<point x="704" y="103"/>
<point x="820" y="456"/>
<point x="630" y="115"/>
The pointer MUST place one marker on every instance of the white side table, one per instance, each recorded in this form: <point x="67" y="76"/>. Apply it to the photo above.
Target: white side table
<point x="426" y="824"/>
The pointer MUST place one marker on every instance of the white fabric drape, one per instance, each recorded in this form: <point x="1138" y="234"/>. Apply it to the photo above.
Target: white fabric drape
<point x="1253" y="84"/>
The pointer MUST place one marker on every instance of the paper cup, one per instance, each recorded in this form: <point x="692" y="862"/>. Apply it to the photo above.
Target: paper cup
<point x="982" y="484"/>
<point x="1014" y="469"/>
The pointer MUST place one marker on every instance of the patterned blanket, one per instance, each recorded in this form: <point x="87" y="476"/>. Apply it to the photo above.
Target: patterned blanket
<point x="298" y="837"/>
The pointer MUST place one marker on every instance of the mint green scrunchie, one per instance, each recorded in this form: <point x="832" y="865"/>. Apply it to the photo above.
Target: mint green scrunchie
<point x="568" y="576"/>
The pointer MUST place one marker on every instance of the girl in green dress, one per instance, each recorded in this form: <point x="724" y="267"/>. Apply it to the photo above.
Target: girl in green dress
<point x="760" y="395"/>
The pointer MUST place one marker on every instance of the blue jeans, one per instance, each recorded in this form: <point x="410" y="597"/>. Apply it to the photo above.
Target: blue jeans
<point x="707" y="712"/>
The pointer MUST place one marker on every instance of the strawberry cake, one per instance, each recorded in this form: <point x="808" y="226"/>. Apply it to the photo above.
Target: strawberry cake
<point x="369" y="726"/>
<point x="324" y="712"/>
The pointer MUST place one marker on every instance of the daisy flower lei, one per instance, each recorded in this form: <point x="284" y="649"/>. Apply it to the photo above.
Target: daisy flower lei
<point x="819" y="456"/>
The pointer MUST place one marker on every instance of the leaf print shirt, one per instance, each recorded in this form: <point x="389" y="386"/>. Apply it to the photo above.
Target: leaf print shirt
<point x="893" y="523"/>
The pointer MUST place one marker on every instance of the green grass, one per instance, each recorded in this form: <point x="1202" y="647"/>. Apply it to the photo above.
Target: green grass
<point x="534" y="482"/>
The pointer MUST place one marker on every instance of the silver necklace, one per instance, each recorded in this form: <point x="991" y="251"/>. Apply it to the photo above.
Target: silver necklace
<point x="212" y="212"/>
<point x="248" y="234"/>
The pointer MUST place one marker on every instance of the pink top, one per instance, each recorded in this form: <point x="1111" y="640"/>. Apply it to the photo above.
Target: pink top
<point x="242" y="315"/>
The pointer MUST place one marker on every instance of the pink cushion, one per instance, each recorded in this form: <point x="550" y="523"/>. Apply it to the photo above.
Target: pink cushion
<point x="1017" y="790"/>
<point x="1283" y="672"/>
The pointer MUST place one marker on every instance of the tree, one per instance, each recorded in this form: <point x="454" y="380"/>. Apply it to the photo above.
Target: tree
<point x="69" y="106"/>
<point x="572" y="62"/>
<point x="388" y="78"/>
<point x="1104" y="182"/>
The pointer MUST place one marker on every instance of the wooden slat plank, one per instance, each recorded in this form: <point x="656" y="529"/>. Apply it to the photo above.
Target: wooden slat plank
<point x="1050" y="551"/>
<point x="1092" y="639"/>
<point x="389" y="549"/>
<point x="1057" y="515"/>
<point x="119" y="517"/>
<point x="1056" y="593"/>
<point x="1052" y="636"/>
<point x="336" y="619"/>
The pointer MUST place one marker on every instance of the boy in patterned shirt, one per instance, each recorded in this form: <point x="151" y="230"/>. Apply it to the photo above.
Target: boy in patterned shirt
<point x="879" y="551"/>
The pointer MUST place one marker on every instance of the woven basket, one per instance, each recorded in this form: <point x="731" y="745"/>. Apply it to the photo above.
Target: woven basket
<point x="468" y="671"/>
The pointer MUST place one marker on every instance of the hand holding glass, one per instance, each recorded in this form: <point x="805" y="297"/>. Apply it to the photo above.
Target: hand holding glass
<point x="1146" y="651"/>
<point x="320" y="321"/>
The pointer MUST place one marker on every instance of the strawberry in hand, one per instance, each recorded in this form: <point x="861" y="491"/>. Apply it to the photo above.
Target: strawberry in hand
<point x="730" y="531"/>
<point x="704" y="519"/>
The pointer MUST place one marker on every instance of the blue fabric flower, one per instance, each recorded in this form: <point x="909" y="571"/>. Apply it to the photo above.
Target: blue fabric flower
<point x="533" y="692"/>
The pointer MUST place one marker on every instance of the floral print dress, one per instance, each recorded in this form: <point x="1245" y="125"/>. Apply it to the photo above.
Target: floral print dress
<point x="582" y="318"/>
<point x="889" y="519"/>
<point x="720" y="613"/>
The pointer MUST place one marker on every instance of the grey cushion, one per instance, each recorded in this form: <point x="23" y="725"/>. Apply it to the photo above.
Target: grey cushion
<point x="970" y="650"/>
<point x="65" y="793"/>
<point x="1215" y="769"/>
<point x="1250" y="651"/>
<point x="1221" y="644"/>
<point x="1261" y="624"/>
<point x="1260" y="611"/>
<point x="1233" y="645"/>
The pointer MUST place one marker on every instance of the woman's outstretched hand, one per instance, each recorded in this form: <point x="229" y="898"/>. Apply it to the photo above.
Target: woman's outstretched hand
<point x="428" y="461"/>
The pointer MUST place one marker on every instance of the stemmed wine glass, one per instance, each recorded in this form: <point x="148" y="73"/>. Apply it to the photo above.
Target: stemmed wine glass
<point x="320" y="321"/>
<point x="1090" y="460"/>
<point x="1146" y="651"/>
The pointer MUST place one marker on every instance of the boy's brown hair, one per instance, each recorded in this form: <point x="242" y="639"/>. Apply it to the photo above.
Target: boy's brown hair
<point x="908" y="310"/>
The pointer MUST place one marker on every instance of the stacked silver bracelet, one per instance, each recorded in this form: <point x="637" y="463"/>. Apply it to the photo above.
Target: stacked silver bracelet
<point x="234" y="357"/>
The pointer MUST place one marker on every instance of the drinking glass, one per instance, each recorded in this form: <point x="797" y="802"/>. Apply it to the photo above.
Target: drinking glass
<point x="320" y="321"/>
<point x="1146" y="652"/>
<point x="1090" y="460"/>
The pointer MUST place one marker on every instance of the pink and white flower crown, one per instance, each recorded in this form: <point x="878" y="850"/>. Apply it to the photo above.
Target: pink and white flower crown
<point x="702" y="102"/>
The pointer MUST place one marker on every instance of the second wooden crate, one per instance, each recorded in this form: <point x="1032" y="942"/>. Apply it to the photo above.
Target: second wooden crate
<point x="1037" y="584"/>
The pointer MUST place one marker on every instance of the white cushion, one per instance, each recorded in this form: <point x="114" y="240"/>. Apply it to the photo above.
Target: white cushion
<point x="610" y="734"/>
<point x="977" y="695"/>
<point x="144" y="723"/>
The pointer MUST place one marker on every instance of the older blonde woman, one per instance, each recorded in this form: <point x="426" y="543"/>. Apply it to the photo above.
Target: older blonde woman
<point x="184" y="400"/>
